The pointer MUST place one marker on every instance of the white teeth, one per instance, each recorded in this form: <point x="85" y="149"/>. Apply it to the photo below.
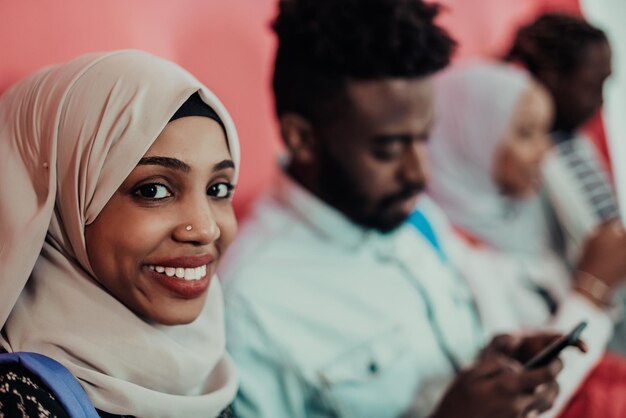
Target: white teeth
<point x="189" y="273"/>
<point x="198" y="271"/>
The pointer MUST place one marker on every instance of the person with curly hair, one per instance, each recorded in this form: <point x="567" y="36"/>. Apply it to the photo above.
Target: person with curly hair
<point x="572" y="59"/>
<point x="340" y="300"/>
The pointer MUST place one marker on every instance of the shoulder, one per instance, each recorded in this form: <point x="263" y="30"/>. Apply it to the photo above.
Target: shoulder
<point x="272" y="245"/>
<point x="259" y="234"/>
<point x="24" y="394"/>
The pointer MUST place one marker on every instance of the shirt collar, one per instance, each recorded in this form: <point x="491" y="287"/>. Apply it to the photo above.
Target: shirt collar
<point x="323" y="218"/>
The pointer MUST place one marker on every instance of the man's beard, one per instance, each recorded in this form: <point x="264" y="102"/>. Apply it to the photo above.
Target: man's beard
<point x="341" y="191"/>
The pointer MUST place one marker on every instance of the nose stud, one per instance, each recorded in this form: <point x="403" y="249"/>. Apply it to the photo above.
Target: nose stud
<point x="188" y="228"/>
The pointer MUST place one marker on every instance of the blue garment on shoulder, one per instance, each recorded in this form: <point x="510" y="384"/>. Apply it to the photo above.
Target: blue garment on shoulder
<point x="422" y="224"/>
<point x="59" y="380"/>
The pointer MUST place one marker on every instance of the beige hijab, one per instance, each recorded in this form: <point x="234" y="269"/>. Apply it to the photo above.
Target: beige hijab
<point x="69" y="136"/>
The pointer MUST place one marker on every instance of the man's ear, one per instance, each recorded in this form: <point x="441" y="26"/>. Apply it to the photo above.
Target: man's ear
<point x="297" y="132"/>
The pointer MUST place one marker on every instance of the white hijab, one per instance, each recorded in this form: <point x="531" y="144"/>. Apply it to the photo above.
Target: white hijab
<point x="69" y="136"/>
<point x="474" y="107"/>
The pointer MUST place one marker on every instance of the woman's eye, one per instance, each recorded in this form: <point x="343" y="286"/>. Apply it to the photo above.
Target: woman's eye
<point x="524" y="132"/>
<point x="221" y="190"/>
<point x="154" y="191"/>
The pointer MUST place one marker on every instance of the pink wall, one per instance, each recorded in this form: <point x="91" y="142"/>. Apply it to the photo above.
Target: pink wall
<point x="225" y="43"/>
<point x="486" y="27"/>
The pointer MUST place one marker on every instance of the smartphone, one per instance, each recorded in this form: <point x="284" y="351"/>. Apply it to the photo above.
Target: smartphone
<point x="553" y="350"/>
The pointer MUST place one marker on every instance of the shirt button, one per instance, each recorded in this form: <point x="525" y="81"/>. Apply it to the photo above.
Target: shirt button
<point x="373" y="367"/>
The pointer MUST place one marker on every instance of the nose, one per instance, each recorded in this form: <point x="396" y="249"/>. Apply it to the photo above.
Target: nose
<point x="415" y="164"/>
<point x="198" y="226"/>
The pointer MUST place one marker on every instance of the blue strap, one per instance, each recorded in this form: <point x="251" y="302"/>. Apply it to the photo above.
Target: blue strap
<point x="421" y="223"/>
<point x="66" y="389"/>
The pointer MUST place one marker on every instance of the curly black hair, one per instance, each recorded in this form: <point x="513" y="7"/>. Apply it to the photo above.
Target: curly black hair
<point x="554" y="41"/>
<point x="322" y="44"/>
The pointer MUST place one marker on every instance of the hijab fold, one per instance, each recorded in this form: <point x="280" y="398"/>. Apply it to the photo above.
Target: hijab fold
<point x="69" y="136"/>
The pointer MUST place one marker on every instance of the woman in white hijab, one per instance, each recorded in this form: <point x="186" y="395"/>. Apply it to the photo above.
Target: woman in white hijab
<point x="477" y="179"/>
<point x="115" y="208"/>
<point x="486" y="152"/>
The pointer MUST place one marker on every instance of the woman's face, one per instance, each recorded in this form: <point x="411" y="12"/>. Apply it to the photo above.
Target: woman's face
<point x="156" y="244"/>
<point x="517" y="161"/>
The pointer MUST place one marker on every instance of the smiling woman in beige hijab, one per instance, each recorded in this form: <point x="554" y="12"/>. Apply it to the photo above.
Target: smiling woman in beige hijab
<point x="141" y="341"/>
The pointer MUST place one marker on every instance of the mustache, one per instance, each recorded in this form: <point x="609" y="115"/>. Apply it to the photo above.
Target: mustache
<point x="407" y="192"/>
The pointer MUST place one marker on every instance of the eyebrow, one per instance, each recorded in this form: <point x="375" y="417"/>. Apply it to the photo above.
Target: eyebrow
<point x="224" y="164"/>
<point x="177" y="164"/>
<point x="389" y="138"/>
<point x="404" y="138"/>
<point x="168" y="162"/>
<point x="422" y="136"/>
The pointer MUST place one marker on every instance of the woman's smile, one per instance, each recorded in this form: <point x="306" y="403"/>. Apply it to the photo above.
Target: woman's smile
<point x="187" y="277"/>
<point x="157" y="243"/>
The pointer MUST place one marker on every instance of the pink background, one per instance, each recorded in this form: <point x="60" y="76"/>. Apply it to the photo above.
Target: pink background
<point x="227" y="44"/>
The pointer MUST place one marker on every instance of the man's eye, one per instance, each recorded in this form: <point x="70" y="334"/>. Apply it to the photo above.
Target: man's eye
<point x="154" y="191"/>
<point x="221" y="190"/>
<point x="383" y="155"/>
<point x="388" y="152"/>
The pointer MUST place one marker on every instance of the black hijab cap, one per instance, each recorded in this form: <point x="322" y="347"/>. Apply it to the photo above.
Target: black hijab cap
<point x="194" y="106"/>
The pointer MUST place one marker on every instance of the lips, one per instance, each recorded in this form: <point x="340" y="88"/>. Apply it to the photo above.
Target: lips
<point x="184" y="262"/>
<point x="187" y="277"/>
<point x="409" y="204"/>
<point x="409" y="193"/>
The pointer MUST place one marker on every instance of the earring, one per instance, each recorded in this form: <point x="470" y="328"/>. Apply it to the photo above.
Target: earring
<point x="188" y="228"/>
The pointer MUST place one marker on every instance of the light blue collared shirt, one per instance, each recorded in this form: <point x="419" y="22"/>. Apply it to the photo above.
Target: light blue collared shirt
<point x="327" y="319"/>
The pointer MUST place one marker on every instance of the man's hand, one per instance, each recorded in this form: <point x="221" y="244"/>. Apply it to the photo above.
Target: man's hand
<point x="497" y="386"/>
<point x="523" y="348"/>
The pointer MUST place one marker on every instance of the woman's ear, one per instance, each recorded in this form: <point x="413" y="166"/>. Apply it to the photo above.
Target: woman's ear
<point x="297" y="133"/>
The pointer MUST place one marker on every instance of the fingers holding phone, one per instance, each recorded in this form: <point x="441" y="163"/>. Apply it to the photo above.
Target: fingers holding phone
<point x="524" y="348"/>
<point x="552" y="350"/>
<point x="514" y="377"/>
<point x="498" y="386"/>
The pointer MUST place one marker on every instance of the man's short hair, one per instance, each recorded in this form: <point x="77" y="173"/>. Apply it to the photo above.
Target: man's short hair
<point x="322" y="44"/>
<point x="554" y="41"/>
